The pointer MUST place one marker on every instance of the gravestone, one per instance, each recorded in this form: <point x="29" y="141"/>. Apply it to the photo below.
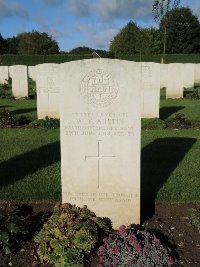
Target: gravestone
<point x="3" y="74"/>
<point x="188" y="75"/>
<point x="19" y="76"/>
<point x="175" y="81"/>
<point x="48" y="92"/>
<point x="31" y="72"/>
<point x="100" y="137"/>
<point x="150" y="90"/>
<point x="197" y="73"/>
<point x="163" y="75"/>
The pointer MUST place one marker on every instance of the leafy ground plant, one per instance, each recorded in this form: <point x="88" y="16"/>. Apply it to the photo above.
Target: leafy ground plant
<point x="48" y="123"/>
<point x="132" y="247"/>
<point x="11" y="229"/>
<point x="70" y="235"/>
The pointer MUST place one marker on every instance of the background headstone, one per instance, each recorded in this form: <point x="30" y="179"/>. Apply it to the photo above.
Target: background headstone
<point x="19" y="76"/>
<point x="197" y="73"/>
<point x="3" y="74"/>
<point x="163" y="75"/>
<point x="175" y="81"/>
<point x="150" y="90"/>
<point x="188" y="75"/>
<point x="31" y="72"/>
<point x="48" y="91"/>
<point x="100" y="137"/>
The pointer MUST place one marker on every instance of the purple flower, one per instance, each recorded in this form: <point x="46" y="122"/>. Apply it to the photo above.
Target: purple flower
<point x="122" y="229"/>
<point x="137" y="247"/>
<point x="131" y="261"/>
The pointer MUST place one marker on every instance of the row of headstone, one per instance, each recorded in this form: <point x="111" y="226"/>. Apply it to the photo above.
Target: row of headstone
<point x="176" y="76"/>
<point x="154" y="76"/>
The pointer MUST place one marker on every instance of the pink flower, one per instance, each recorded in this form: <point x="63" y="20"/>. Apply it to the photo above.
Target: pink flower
<point x="170" y="260"/>
<point x="122" y="229"/>
<point x="157" y="241"/>
<point x="101" y="258"/>
<point x="115" y="250"/>
<point x="131" y="261"/>
<point x="137" y="247"/>
<point x="132" y="239"/>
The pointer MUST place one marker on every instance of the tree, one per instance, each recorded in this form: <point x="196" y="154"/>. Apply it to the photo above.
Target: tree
<point x="160" y="8"/>
<point x="12" y="45"/>
<point x="127" y="40"/>
<point x="81" y="50"/>
<point x="183" y="31"/>
<point x="3" y="45"/>
<point x="33" y="43"/>
<point x="150" y="41"/>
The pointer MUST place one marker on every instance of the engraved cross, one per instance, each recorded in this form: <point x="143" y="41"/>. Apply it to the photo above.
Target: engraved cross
<point x="99" y="159"/>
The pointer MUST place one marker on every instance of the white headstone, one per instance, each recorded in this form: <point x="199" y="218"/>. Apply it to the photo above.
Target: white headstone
<point x="19" y="76"/>
<point x="31" y="72"/>
<point x="163" y="75"/>
<point x="48" y="91"/>
<point x="3" y="74"/>
<point x="175" y="81"/>
<point x="100" y="137"/>
<point x="197" y="73"/>
<point x="150" y="90"/>
<point x="188" y="75"/>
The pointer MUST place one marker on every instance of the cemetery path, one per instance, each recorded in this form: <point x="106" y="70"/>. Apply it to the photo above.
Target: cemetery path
<point x="177" y="224"/>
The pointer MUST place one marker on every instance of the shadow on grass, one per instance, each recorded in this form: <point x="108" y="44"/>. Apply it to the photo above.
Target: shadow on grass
<point x="20" y="166"/>
<point x="24" y="110"/>
<point x="165" y="112"/>
<point x="158" y="161"/>
<point x="4" y="106"/>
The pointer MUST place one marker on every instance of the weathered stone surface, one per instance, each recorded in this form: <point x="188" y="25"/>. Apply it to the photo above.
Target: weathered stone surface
<point x="188" y="75"/>
<point x="3" y="74"/>
<point x="163" y="75"/>
<point x="48" y="91"/>
<point x="150" y="90"/>
<point x="31" y="72"/>
<point x="175" y="81"/>
<point x="197" y="73"/>
<point x="100" y="137"/>
<point x="19" y="76"/>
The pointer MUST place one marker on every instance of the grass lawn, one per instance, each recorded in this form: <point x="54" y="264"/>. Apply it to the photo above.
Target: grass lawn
<point x="30" y="165"/>
<point x="21" y="107"/>
<point x="189" y="107"/>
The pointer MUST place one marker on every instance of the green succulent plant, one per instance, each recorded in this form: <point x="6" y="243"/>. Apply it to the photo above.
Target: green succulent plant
<point x="69" y="236"/>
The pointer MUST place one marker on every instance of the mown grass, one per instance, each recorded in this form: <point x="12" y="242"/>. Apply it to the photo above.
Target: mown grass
<point x="30" y="165"/>
<point x="21" y="107"/>
<point x="189" y="107"/>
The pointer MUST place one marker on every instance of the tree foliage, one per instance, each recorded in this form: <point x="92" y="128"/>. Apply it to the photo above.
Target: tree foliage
<point x="183" y="31"/>
<point x="134" y="40"/>
<point x="33" y="43"/>
<point x="127" y="40"/>
<point x="81" y="50"/>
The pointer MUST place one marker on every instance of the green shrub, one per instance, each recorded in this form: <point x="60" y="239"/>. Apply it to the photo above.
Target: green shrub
<point x="11" y="229"/>
<point x="48" y="123"/>
<point x="70" y="235"/>
<point x="179" y="122"/>
<point x="6" y="90"/>
<point x="132" y="247"/>
<point x="7" y="119"/>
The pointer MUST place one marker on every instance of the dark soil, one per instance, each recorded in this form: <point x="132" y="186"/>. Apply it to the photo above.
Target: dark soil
<point x="172" y="222"/>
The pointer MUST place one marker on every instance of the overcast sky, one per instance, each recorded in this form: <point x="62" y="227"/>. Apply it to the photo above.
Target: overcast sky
<point x="73" y="23"/>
